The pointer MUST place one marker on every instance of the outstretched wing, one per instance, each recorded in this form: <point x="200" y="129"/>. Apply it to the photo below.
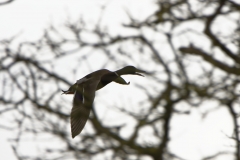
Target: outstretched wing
<point x="82" y="105"/>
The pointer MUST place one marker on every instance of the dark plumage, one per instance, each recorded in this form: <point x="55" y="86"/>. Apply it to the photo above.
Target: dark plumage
<point x="84" y="93"/>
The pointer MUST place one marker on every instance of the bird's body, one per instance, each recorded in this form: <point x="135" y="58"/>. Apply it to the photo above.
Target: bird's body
<point x="84" y="93"/>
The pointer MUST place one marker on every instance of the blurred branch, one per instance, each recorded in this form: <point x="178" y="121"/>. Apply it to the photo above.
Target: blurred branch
<point x="196" y="51"/>
<point x="6" y="2"/>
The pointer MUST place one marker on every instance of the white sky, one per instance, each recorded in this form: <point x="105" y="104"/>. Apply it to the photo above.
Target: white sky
<point x="30" y="17"/>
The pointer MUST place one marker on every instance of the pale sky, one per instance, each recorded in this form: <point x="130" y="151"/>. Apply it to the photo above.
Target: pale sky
<point x="30" y="17"/>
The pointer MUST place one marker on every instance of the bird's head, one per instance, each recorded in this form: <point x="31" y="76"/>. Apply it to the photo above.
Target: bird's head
<point x="130" y="70"/>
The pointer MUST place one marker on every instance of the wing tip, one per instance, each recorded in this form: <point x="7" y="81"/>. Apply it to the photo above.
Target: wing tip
<point x="73" y="136"/>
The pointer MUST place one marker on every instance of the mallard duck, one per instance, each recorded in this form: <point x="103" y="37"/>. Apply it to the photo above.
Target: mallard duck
<point x="84" y="92"/>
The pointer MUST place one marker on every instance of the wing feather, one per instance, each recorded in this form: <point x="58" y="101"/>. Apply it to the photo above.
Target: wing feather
<point x="82" y="105"/>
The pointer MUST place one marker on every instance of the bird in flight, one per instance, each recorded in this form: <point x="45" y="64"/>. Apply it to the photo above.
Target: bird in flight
<point x="84" y="92"/>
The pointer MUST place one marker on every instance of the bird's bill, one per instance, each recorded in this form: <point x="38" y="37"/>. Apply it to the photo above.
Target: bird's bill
<point x="138" y="74"/>
<point x="141" y="71"/>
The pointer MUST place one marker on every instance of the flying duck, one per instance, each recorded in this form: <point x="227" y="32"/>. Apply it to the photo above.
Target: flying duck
<point x="84" y="92"/>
